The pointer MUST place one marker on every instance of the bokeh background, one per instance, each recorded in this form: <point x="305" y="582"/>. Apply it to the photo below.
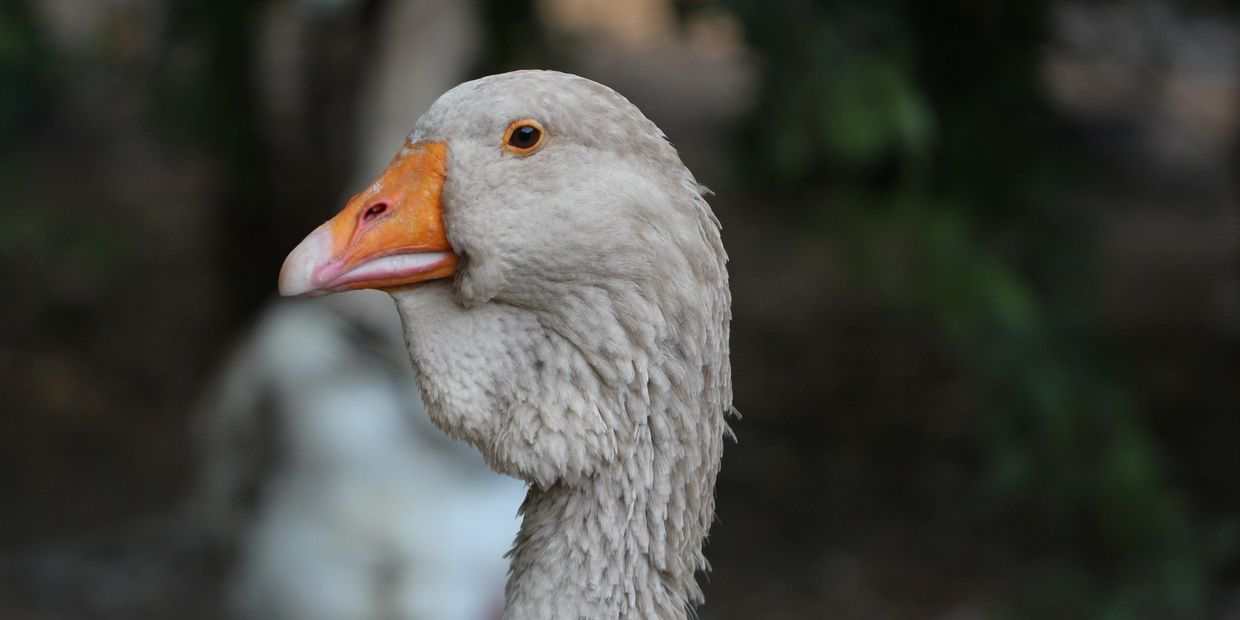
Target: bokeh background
<point x="985" y="259"/>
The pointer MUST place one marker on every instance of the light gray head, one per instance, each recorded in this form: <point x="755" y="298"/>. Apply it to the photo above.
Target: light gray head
<point x="596" y="201"/>
<point x="583" y="343"/>
<point x="601" y="234"/>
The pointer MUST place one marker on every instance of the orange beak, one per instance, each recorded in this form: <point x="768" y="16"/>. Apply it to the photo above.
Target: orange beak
<point x="390" y="235"/>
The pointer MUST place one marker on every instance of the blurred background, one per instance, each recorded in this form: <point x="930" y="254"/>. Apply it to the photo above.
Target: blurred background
<point x="985" y="260"/>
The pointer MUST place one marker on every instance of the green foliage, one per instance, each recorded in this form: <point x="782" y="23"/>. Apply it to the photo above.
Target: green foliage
<point x="925" y="124"/>
<point x="85" y="243"/>
<point x="215" y="96"/>
<point x="23" y="60"/>
<point x="515" y="38"/>
<point x="855" y="110"/>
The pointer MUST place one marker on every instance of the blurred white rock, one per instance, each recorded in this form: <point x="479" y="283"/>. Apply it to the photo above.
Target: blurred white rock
<point x="345" y="503"/>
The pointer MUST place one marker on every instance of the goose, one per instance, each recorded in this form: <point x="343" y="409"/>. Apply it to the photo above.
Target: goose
<point x="563" y="291"/>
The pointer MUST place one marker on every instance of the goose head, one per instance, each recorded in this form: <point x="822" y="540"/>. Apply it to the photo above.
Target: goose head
<point x="511" y="183"/>
<point x="540" y="191"/>
<point x="563" y="288"/>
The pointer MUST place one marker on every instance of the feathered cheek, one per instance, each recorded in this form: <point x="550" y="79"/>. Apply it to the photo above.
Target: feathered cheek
<point x="479" y="278"/>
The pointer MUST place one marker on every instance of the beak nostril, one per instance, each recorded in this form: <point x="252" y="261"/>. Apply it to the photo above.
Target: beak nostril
<point x="375" y="210"/>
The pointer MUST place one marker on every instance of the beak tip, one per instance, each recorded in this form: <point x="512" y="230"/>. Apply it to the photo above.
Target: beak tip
<point x="297" y="273"/>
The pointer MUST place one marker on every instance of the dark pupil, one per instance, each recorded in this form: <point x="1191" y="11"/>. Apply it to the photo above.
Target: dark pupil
<point x="524" y="137"/>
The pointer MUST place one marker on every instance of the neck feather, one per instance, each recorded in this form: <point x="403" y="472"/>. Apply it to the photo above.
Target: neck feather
<point x="611" y="403"/>
<point x="625" y="544"/>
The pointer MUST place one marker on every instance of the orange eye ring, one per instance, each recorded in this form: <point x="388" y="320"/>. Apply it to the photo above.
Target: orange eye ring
<point x="524" y="137"/>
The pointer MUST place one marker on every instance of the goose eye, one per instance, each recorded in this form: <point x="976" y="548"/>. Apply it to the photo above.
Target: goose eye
<point x="523" y="137"/>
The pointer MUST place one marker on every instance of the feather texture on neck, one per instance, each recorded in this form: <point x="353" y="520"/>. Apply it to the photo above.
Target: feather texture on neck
<point x="611" y="403"/>
<point x="583" y="346"/>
